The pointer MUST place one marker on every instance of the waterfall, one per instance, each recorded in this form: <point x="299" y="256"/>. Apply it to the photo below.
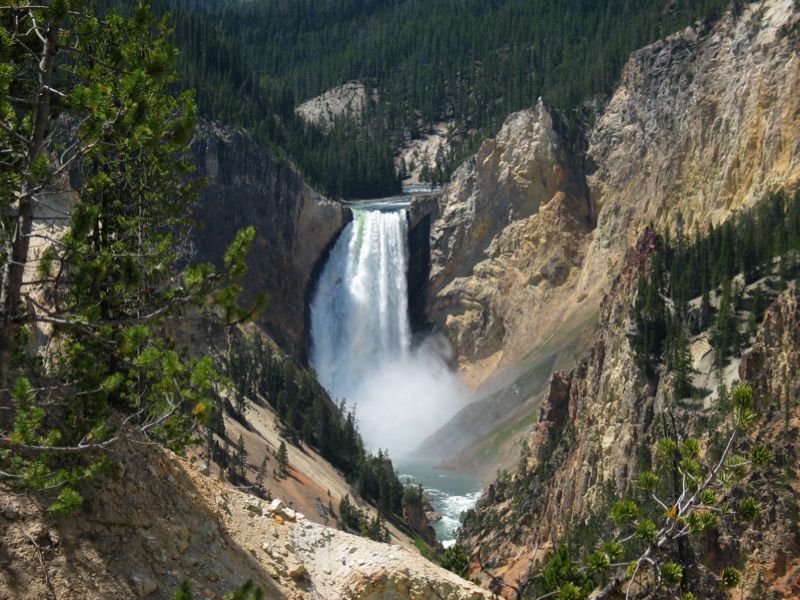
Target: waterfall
<point x="361" y="336"/>
<point x="359" y="315"/>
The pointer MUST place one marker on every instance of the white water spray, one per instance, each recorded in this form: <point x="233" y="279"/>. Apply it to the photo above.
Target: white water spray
<point x="361" y="336"/>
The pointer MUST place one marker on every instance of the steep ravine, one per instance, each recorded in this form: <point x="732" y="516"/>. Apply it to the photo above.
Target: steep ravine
<point x="599" y="421"/>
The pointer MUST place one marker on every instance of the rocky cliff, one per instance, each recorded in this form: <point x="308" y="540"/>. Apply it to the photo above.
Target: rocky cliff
<point x="530" y="235"/>
<point x="513" y="228"/>
<point x="701" y="124"/>
<point x="295" y="226"/>
<point x="597" y="429"/>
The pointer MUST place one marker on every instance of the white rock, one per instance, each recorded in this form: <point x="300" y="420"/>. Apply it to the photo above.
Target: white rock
<point x="142" y="585"/>
<point x="296" y="571"/>
<point x="288" y="514"/>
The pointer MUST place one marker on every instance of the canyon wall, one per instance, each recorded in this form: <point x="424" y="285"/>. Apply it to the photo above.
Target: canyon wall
<point x="597" y="429"/>
<point x="511" y="235"/>
<point x="295" y="226"/>
<point x="701" y="124"/>
<point x="531" y="233"/>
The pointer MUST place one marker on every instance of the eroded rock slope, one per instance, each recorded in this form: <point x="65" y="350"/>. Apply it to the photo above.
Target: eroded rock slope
<point x="162" y="523"/>
<point x="597" y="429"/>
<point x="530" y="236"/>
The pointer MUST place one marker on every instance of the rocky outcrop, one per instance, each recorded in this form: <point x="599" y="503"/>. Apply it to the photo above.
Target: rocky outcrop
<point x="512" y="232"/>
<point x="295" y="226"/>
<point x="349" y="99"/>
<point x="597" y="429"/>
<point x="160" y="523"/>
<point x="416" y="515"/>
<point x="422" y="211"/>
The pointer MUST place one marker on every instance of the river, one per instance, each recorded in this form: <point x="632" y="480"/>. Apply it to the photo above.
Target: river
<point x="450" y="493"/>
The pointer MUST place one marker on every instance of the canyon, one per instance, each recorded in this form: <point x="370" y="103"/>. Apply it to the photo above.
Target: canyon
<point x="517" y="260"/>
<point x="527" y="263"/>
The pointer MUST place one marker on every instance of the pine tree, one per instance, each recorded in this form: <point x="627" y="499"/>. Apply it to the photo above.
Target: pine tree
<point x="184" y="592"/>
<point x="376" y="529"/>
<point x="93" y="95"/>
<point x="282" y="457"/>
<point x="262" y="472"/>
<point x="345" y="510"/>
<point x="725" y="326"/>
<point x="241" y="456"/>
<point x="680" y="363"/>
<point x="241" y="400"/>
<point x="456" y="560"/>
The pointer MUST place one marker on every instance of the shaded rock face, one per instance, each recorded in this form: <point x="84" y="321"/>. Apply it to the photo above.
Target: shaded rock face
<point x="416" y="515"/>
<point x="295" y="226"/>
<point x="422" y="211"/>
<point x="510" y="231"/>
<point x="419" y="268"/>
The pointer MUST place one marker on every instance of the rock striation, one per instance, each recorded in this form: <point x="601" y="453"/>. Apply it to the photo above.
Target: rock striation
<point x="530" y="235"/>
<point x="295" y="226"/>
<point x="701" y="124"/>
<point x="598" y="425"/>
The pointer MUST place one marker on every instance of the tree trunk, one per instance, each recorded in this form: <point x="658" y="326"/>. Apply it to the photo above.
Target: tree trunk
<point x="17" y="247"/>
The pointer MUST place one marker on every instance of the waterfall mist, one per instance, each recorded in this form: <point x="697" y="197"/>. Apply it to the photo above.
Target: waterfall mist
<point x="361" y="343"/>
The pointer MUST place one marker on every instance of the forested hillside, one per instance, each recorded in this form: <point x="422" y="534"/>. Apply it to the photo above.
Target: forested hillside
<point x="471" y="62"/>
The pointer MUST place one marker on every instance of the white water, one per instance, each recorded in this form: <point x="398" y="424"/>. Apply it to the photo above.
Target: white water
<point x="361" y="344"/>
<point x="450" y="494"/>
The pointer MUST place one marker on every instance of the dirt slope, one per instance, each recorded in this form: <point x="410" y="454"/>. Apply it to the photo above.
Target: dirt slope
<point x="161" y="522"/>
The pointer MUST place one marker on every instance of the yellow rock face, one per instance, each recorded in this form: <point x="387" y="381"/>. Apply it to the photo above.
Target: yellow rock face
<point x="529" y="236"/>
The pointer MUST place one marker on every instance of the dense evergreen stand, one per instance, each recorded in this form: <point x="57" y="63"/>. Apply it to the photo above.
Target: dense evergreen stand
<point x="472" y="62"/>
